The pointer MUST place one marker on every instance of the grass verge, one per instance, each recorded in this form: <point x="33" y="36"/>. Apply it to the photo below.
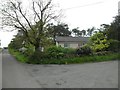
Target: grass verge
<point x="75" y="60"/>
<point x="19" y="57"/>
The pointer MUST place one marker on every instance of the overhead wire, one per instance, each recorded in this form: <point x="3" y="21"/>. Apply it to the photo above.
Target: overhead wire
<point x="91" y="4"/>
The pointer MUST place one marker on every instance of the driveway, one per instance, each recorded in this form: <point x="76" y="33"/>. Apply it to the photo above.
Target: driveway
<point x="90" y="75"/>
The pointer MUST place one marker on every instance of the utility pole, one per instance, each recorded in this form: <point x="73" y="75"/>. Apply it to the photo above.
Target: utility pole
<point x="0" y="43"/>
<point x="119" y="8"/>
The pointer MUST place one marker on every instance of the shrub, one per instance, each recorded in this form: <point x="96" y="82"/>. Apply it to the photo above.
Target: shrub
<point x="60" y="52"/>
<point x="102" y="53"/>
<point x="51" y="53"/>
<point x="99" y="42"/>
<point x="114" y="45"/>
<point x="100" y="47"/>
<point x="37" y="57"/>
<point x="69" y="52"/>
<point x="85" y="50"/>
<point x="55" y="52"/>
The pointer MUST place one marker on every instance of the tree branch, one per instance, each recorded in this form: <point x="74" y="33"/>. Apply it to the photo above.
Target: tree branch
<point x="35" y="11"/>
<point x="46" y="6"/>
<point x="24" y="17"/>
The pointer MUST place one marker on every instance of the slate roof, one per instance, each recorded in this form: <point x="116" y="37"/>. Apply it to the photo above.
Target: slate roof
<point x="71" y="39"/>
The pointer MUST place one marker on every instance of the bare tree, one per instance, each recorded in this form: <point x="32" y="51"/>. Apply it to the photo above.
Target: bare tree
<point x="33" y="19"/>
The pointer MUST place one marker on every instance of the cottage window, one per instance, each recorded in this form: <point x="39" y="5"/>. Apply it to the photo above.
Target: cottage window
<point x="66" y="45"/>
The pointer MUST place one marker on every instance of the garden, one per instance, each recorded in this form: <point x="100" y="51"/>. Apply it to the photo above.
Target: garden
<point x="96" y="50"/>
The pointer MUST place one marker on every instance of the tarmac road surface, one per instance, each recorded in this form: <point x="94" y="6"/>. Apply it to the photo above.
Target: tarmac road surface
<point x="90" y="75"/>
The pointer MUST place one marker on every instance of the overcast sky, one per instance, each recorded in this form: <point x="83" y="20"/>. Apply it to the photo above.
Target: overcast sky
<point x="80" y="13"/>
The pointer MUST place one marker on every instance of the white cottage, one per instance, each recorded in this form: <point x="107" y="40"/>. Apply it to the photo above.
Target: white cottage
<point x="71" y="42"/>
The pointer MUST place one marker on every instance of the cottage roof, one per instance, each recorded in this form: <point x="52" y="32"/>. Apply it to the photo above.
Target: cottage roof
<point x="71" y="39"/>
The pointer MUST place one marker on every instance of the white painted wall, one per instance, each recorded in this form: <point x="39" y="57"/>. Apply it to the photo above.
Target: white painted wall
<point x="75" y="45"/>
<point x="61" y="44"/>
<point x="71" y="45"/>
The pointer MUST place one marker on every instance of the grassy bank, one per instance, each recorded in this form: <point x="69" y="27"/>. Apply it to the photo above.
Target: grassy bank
<point x="75" y="60"/>
<point x="20" y="57"/>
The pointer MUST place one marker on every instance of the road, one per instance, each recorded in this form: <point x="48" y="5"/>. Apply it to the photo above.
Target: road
<point x="15" y="74"/>
<point x="90" y="75"/>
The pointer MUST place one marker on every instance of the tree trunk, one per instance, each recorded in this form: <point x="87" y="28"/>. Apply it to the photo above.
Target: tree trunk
<point x="54" y="39"/>
<point x="37" y="47"/>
